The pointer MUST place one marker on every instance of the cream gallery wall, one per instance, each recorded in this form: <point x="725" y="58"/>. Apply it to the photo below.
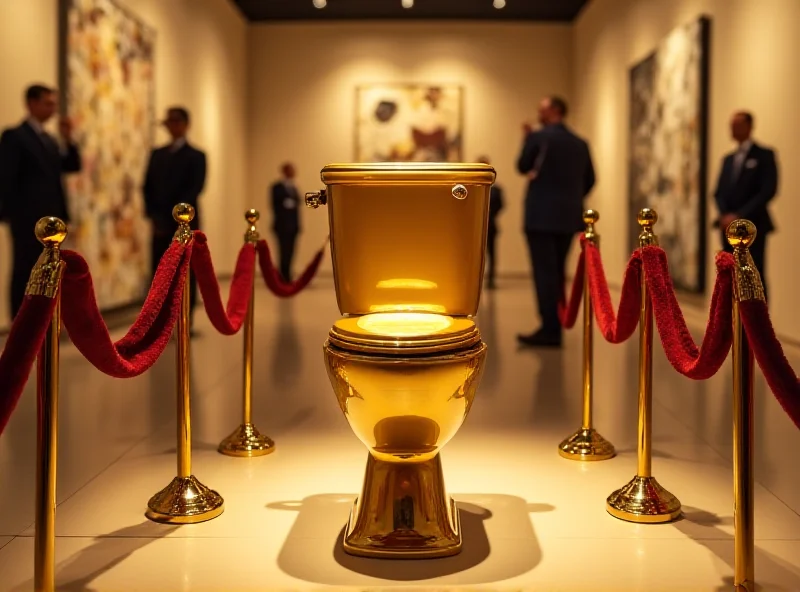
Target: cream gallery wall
<point x="305" y="82"/>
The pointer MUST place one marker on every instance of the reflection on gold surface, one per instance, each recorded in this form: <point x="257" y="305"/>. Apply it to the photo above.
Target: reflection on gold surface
<point x="411" y="284"/>
<point x="404" y="324"/>
<point x="408" y="307"/>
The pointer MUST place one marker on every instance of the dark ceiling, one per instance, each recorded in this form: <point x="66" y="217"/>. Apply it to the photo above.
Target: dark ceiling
<point x="293" y="10"/>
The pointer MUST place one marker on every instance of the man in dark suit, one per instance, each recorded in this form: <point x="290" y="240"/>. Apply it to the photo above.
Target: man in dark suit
<point x="747" y="182"/>
<point x="286" y="217"/>
<point x="495" y="205"/>
<point x="31" y="165"/>
<point x="175" y="174"/>
<point x="559" y="168"/>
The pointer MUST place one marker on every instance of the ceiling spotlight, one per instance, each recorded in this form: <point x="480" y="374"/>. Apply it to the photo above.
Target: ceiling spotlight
<point x="498" y="4"/>
<point x="407" y="3"/>
<point x="319" y="3"/>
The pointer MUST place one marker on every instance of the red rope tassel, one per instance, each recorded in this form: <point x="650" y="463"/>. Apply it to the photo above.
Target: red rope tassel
<point x="696" y="363"/>
<point x="273" y="278"/>
<point x="227" y="320"/>
<point x="768" y="351"/>
<point x="22" y="346"/>
<point x="615" y="328"/>
<point x="568" y="313"/>
<point x="149" y="335"/>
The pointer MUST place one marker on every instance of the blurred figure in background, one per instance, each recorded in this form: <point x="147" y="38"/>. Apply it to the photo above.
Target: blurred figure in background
<point x="747" y="182"/>
<point x="286" y="217"/>
<point x="175" y="174"/>
<point x="560" y="174"/>
<point x="31" y="187"/>
<point x="495" y="205"/>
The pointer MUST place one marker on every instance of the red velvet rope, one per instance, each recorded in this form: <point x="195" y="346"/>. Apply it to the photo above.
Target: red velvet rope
<point x="568" y="312"/>
<point x="273" y="278"/>
<point x="681" y="351"/>
<point x="615" y="328"/>
<point x="227" y="320"/>
<point x="768" y="352"/>
<point x="22" y="346"/>
<point x="149" y="335"/>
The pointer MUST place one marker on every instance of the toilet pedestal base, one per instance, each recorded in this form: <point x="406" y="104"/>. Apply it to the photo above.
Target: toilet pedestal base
<point x="403" y="512"/>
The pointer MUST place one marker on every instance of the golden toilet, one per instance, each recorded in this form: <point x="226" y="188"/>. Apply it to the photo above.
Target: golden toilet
<point x="405" y="359"/>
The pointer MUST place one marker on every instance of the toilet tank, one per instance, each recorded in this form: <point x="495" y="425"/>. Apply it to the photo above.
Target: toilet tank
<point x="408" y="236"/>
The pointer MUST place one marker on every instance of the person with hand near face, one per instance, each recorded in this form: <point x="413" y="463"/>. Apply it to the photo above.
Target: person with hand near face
<point x="32" y="163"/>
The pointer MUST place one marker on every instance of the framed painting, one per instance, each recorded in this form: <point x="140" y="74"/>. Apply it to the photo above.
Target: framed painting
<point x="108" y="90"/>
<point x="409" y="122"/>
<point x="668" y="145"/>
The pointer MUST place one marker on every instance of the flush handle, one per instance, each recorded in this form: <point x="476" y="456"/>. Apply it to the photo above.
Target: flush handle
<point x="316" y="199"/>
<point x="459" y="192"/>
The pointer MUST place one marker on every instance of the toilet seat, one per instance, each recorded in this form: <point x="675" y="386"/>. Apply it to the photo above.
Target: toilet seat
<point x="404" y="333"/>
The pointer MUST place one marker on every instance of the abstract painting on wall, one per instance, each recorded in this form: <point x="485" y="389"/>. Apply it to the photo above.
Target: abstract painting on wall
<point x="409" y="122"/>
<point x="668" y="135"/>
<point x="107" y="81"/>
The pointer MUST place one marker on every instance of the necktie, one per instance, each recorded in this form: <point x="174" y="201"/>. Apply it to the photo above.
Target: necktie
<point x="49" y="142"/>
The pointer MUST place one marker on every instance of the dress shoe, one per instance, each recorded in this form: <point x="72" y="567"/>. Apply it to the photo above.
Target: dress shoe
<point x="540" y="339"/>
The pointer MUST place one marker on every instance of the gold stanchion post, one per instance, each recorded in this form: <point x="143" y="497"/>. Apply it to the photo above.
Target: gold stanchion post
<point x="45" y="280"/>
<point x="741" y="234"/>
<point x="246" y="440"/>
<point x="586" y="443"/>
<point x="185" y="500"/>
<point x="643" y="499"/>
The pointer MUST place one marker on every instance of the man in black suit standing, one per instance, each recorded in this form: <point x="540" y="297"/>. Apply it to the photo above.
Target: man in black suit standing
<point x="175" y="174"/>
<point x="495" y="206"/>
<point x="747" y="182"/>
<point x="286" y="217"/>
<point x="31" y="165"/>
<point x="559" y="168"/>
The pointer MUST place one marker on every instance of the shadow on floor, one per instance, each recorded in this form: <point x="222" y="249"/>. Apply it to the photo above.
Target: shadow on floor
<point x="499" y="543"/>
<point x="106" y="552"/>
<point x="703" y="528"/>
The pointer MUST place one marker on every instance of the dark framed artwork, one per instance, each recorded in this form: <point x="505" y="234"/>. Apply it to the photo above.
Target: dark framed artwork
<point x="668" y="149"/>
<point x="107" y="80"/>
<point x="409" y="122"/>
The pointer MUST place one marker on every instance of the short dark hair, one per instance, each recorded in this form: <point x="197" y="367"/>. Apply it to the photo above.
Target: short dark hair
<point x="747" y="116"/>
<point x="181" y="112"/>
<point x="37" y="91"/>
<point x="559" y="105"/>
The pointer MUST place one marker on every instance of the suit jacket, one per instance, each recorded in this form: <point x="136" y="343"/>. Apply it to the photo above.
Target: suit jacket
<point x="285" y="206"/>
<point x="30" y="176"/>
<point x="173" y="177"/>
<point x="747" y="194"/>
<point x="564" y="176"/>
<point x="495" y="205"/>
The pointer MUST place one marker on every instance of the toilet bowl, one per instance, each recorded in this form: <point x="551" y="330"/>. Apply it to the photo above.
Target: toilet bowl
<point x="406" y="358"/>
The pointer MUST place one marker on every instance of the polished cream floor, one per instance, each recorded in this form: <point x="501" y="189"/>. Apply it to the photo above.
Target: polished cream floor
<point x="531" y="520"/>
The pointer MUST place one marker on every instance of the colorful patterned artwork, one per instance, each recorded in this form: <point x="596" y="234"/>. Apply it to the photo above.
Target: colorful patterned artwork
<point x="408" y="122"/>
<point x="669" y="98"/>
<point x="107" y="81"/>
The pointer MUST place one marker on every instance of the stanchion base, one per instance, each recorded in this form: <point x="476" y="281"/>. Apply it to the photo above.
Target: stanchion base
<point x="246" y="440"/>
<point x="643" y="500"/>
<point x="586" y="444"/>
<point x="185" y="501"/>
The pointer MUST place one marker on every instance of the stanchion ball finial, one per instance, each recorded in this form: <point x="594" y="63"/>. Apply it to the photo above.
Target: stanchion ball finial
<point x="51" y="231"/>
<point x="591" y="217"/>
<point x="647" y="218"/>
<point x="251" y="216"/>
<point x="741" y="233"/>
<point x="183" y="213"/>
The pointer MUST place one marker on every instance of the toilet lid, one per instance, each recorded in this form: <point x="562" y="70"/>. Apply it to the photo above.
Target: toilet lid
<point x="404" y="333"/>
